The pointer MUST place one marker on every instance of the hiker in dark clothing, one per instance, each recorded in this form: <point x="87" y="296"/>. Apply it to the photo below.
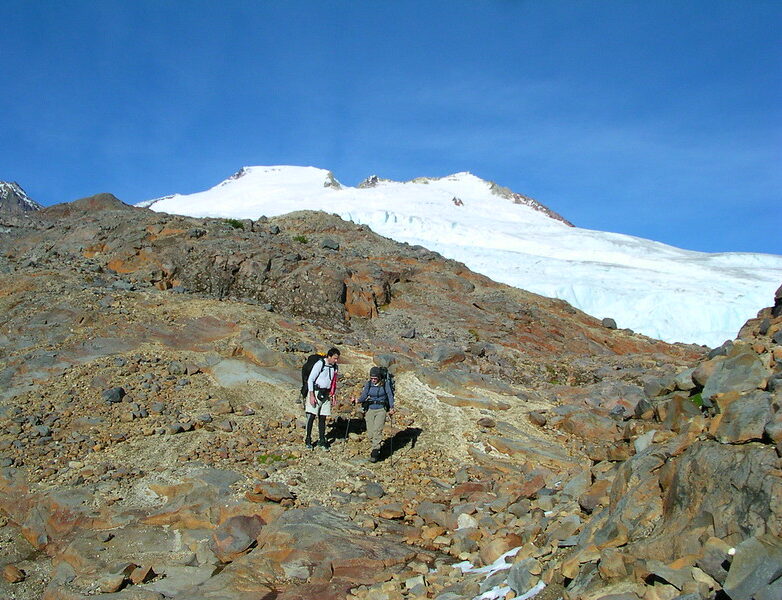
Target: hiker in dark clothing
<point x="321" y="392"/>
<point x="377" y="400"/>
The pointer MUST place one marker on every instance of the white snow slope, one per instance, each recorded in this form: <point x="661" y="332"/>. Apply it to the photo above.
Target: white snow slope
<point x="658" y="290"/>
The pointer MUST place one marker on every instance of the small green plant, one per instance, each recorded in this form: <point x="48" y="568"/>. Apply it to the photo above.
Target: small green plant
<point x="235" y="223"/>
<point x="553" y="375"/>
<point x="697" y="399"/>
<point x="300" y="238"/>
<point x="268" y="459"/>
<point x="474" y="334"/>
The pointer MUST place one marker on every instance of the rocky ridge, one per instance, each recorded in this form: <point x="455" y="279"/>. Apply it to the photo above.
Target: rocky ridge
<point x="14" y="200"/>
<point x="151" y="441"/>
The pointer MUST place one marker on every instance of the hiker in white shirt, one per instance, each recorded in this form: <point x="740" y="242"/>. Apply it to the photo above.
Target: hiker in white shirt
<point x="321" y="392"/>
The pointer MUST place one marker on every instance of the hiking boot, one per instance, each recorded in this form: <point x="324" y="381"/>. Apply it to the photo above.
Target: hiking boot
<point x="309" y="445"/>
<point x="374" y="456"/>
<point x="324" y="444"/>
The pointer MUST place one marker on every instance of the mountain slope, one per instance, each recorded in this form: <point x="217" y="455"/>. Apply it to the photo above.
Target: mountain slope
<point x="14" y="200"/>
<point x="658" y="290"/>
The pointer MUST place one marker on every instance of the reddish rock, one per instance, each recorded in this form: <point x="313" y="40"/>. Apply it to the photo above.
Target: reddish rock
<point x="233" y="537"/>
<point x="492" y="550"/>
<point x="318" y="545"/>
<point x="537" y="418"/>
<point x="465" y="490"/>
<point x="588" y="425"/>
<point x="13" y="574"/>
<point x="142" y="574"/>
<point x="271" y="491"/>
<point x="394" y="510"/>
<point x="595" y="496"/>
<point x="742" y="417"/>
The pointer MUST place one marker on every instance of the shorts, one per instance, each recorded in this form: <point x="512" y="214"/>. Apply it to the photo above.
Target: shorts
<point x="323" y="407"/>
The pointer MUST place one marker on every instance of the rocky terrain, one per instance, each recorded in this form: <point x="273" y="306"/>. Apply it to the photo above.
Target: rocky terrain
<point x="14" y="201"/>
<point x="151" y="436"/>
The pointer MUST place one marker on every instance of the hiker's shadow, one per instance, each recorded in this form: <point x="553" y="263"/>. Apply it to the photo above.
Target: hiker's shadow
<point x="342" y="427"/>
<point x="402" y="438"/>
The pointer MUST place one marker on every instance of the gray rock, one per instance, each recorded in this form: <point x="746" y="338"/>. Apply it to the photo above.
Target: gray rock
<point x="741" y="372"/>
<point x="492" y="581"/>
<point x="123" y="285"/>
<point x="608" y="323"/>
<point x="225" y="425"/>
<point x="777" y="309"/>
<point x="676" y="577"/>
<point x="684" y="380"/>
<point x="176" y="368"/>
<point x="764" y="325"/>
<point x="374" y="490"/>
<point x="178" y="579"/>
<point x="770" y="592"/>
<point x="745" y="418"/>
<point x="722" y="350"/>
<point x="520" y="578"/>
<point x="113" y="395"/>
<point x="713" y="561"/>
<point x="657" y="386"/>
<point x="578" y="485"/>
<point x="447" y="354"/>
<point x="435" y="513"/>
<point x="42" y="430"/>
<point x="329" y="244"/>
<point x="642" y="442"/>
<point x="757" y="563"/>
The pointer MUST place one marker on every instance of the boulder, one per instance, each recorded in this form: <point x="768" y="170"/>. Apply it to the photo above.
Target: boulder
<point x="234" y="536"/>
<point x="742" y="417"/>
<point x="523" y="575"/>
<point x="756" y="566"/>
<point x="314" y="544"/>
<point x="446" y="355"/>
<point x="272" y="491"/>
<point x="740" y="372"/>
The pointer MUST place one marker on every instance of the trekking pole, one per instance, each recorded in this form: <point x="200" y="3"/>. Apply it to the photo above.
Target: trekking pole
<point x="347" y="427"/>
<point x="391" y="420"/>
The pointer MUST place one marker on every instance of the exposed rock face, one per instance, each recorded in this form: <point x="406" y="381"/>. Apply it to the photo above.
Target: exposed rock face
<point x="151" y="440"/>
<point x="14" y="200"/>
<point x="527" y="201"/>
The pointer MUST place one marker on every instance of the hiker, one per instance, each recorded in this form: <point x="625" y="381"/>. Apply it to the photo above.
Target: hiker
<point x="377" y="400"/>
<point x="321" y="392"/>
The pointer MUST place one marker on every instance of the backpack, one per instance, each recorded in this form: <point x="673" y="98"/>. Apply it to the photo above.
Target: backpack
<point x="306" y="369"/>
<point x="388" y="377"/>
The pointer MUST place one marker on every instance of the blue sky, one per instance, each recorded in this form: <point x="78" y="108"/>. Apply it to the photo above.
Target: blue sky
<point x="658" y="119"/>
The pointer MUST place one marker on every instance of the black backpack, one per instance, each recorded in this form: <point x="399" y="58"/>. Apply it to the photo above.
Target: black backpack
<point x="388" y="377"/>
<point x="306" y="369"/>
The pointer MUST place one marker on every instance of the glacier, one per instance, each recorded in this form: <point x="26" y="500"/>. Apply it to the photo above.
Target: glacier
<point x="655" y="289"/>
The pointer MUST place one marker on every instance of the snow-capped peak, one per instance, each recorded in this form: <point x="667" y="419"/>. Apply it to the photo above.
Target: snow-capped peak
<point x="652" y="288"/>
<point x="14" y="199"/>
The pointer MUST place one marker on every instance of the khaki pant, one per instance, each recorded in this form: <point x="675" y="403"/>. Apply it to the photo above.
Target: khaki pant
<point x="376" y="420"/>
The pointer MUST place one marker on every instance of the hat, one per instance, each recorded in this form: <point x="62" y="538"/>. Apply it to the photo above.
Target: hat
<point x="375" y="372"/>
